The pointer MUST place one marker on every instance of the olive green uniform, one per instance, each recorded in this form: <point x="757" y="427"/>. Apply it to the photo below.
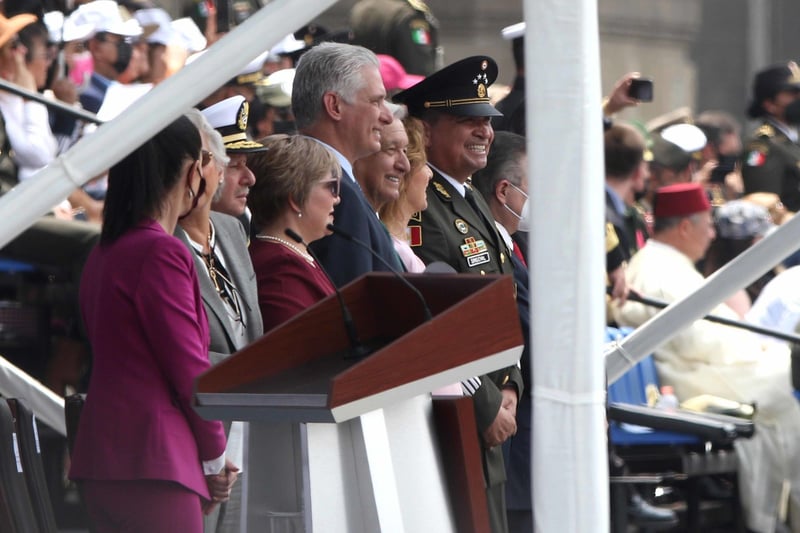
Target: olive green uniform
<point x="772" y="164"/>
<point x="450" y="230"/>
<point x="403" y="29"/>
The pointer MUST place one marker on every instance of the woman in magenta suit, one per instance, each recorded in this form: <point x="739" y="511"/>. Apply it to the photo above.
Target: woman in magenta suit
<point x="146" y="461"/>
<point x="297" y="187"/>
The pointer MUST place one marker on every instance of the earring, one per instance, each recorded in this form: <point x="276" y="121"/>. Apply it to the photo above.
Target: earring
<point x="299" y="214"/>
<point x="191" y="193"/>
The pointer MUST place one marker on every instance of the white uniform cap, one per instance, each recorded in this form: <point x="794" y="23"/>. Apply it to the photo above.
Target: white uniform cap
<point x="252" y="72"/>
<point x="54" y="20"/>
<point x="99" y="16"/>
<point x="188" y="35"/>
<point x="287" y="45"/>
<point x="158" y="19"/>
<point x="512" y="32"/>
<point x="229" y="118"/>
<point x="688" y="137"/>
<point x="276" y="89"/>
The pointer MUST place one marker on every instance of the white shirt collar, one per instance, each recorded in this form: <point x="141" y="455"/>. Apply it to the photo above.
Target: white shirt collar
<point x="452" y="181"/>
<point x="505" y="235"/>
<point x="347" y="168"/>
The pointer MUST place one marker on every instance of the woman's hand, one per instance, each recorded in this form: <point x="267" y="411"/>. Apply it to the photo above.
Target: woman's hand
<point x="220" y="485"/>
<point x="22" y="76"/>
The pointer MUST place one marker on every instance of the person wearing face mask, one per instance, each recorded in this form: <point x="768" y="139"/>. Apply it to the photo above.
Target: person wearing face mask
<point x="503" y="182"/>
<point x="110" y="44"/>
<point x="771" y="158"/>
<point x="719" y="170"/>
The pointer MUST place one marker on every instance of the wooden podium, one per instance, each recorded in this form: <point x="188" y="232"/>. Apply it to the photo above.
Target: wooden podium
<point x="343" y="444"/>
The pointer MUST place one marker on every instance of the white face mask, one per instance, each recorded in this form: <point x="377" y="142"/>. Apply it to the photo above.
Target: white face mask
<point x="525" y="216"/>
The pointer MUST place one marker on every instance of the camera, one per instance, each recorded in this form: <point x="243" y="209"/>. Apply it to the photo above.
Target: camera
<point x="641" y="89"/>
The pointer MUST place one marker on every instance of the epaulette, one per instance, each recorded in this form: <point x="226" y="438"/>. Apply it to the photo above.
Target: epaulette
<point x="419" y="5"/>
<point x="441" y="191"/>
<point x="764" y="130"/>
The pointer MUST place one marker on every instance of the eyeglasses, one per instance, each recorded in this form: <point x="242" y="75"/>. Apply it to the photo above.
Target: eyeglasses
<point x="205" y="157"/>
<point x="332" y="186"/>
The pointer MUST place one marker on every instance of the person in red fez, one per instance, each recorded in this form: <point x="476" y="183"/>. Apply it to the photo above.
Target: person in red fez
<point x="709" y="358"/>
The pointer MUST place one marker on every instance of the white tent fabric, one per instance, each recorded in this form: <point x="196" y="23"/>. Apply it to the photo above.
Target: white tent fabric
<point x="565" y="173"/>
<point x="44" y="403"/>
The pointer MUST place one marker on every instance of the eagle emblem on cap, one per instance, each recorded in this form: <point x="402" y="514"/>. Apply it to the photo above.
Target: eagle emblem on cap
<point x="241" y="119"/>
<point x="481" y="81"/>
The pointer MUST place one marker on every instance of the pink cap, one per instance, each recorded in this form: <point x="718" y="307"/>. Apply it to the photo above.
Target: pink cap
<point x="395" y="76"/>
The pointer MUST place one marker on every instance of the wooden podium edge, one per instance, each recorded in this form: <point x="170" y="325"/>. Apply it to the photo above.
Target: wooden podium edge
<point x="461" y="456"/>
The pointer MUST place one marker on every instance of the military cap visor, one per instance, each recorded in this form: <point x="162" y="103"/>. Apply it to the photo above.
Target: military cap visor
<point x="459" y="89"/>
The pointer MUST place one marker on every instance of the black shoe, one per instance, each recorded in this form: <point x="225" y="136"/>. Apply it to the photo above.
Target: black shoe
<point x="642" y="514"/>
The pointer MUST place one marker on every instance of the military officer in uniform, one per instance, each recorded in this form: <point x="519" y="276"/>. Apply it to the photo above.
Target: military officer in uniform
<point x="458" y="228"/>
<point x="771" y="158"/>
<point x="403" y="29"/>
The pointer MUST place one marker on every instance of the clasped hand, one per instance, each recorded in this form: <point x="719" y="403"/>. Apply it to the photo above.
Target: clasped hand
<point x="220" y="485"/>
<point x="505" y="423"/>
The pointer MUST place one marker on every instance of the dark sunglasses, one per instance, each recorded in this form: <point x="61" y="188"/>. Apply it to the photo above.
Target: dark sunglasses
<point x="332" y="186"/>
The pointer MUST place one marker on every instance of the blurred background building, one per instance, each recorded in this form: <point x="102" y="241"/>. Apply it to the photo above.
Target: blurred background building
<point x="700" y="53"/>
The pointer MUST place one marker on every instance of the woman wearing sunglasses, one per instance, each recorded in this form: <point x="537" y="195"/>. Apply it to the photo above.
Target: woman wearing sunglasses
<point x="296" y="189"/>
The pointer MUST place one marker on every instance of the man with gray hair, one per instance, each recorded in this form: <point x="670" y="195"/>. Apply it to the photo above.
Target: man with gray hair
<point x="338" y="100"/>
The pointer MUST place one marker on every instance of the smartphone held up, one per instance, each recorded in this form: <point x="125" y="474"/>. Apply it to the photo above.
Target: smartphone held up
<point x="641" y="89"/>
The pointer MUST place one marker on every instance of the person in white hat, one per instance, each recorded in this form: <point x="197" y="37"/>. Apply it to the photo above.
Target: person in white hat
<point x="110" y="43"/>
<point x="229" y="118"/>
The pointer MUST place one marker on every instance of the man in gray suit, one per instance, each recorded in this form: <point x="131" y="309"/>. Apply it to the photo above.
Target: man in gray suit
<point x="227" y="285"/>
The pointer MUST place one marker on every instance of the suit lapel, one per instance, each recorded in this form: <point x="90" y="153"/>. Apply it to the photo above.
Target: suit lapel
<point x="209" y="294"/>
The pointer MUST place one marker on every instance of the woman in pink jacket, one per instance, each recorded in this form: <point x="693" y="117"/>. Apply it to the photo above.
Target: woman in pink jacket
<point x="146" y="461"/>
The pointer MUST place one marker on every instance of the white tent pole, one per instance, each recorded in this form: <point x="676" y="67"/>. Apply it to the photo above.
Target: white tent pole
<point x="739" y="273"/>
<point x="112" y="141"/>
<point x="565" y="173"/>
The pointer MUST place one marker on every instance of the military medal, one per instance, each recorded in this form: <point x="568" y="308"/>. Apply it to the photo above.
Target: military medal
<point x="475" y="252"/>
<point x="461" y="226"/>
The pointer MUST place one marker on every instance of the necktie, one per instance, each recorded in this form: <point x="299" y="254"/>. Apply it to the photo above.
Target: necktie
<point x="518" y="253"/>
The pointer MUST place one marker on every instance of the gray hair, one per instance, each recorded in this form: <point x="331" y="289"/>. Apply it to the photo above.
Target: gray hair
<point x="398" y="111"/>
<point x="328" y="67"/>
<point x="215" y="144"/>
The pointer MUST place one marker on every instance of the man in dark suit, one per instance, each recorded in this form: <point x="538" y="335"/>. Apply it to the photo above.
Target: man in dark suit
<point x="458" y="229"/>
<point x="338" y="99"/>
<point x="626" y="173"/>
<point x="504" y="185"/>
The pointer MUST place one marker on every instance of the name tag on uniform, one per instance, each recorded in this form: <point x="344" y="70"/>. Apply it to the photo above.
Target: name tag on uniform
<point x="479" y="259"/>
<point x="475" y="252"/>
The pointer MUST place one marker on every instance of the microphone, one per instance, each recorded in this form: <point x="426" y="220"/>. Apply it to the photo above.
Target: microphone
<point x="358" y="348"/>
<point x="342" y="233"/>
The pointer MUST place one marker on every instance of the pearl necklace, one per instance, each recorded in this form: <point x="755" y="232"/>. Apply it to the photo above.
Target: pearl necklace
<point x="289" y="245"/>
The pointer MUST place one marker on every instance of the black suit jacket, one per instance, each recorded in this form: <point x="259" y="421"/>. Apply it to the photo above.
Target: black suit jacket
<point x="344" y="260"/>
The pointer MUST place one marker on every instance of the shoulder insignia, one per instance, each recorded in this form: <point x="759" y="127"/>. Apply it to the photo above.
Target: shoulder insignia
<point x="757" y="155"/>
<point x="416" y="217"/>
<point x="420" y="32"/>
<point x="765" y="130"/>
<point x="419" y="5"/>
<point x="441" y="191"/>
<point x="415" y="235"/>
